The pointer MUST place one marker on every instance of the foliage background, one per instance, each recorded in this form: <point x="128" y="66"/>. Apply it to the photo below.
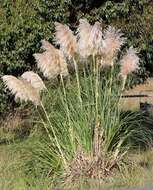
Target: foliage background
<point x="23" y="23"/>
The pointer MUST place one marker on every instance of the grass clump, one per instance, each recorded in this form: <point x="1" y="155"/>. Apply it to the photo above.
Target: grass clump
<point x="86" y="132"/>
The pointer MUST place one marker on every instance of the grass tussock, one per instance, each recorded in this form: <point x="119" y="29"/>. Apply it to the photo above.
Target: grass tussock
<point x="84" y="132"/>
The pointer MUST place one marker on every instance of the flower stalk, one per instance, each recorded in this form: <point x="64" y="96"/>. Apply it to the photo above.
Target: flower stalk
<point x="78" y="81"/>
<point x="54" y="134"/>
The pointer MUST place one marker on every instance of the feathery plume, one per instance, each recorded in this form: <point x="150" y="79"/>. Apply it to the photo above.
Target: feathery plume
<point x="22" y="89"/>
<point x="32" y="93"/>
<point x="47" y="46"/>
<point x="112" y="43"/>
<point x="89" y="38"/>
<point x="51" y="62"/>
<point x="129" y="62"/>
<point x="48" y="64"/>
<point x="34" y="79"/>
<point x="66" y="39"/>
<point x="84" y="31"/>
<point x="15" y="86"/>
<point x="95" y="38"/>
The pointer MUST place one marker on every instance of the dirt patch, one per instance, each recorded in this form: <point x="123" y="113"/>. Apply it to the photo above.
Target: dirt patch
<point x="134" y="103"/>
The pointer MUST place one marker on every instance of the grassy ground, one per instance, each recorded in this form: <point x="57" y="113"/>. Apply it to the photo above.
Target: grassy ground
<point x="137" y="173"/>
<point x="13" y="176"/>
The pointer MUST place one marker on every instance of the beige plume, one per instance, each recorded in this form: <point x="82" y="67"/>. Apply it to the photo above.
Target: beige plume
<point x="47" y="46"/>
<point x="51" y="62"/>
<point x="32" y="93"/>
<point x="34" y="79"/>
<point x="48" y="64"/>
<point x="112" y="43"/>
<point x="22" y="89"/>
<point x="95" y="38"/>
<point x="66" y="39"/>
<point x="89" y="38"/>
<point x="129" y="62"/>
<point x="84" y="31"/>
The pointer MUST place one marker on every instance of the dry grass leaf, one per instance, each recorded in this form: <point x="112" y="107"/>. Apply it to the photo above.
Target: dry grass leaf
<point x="89" y="167"/>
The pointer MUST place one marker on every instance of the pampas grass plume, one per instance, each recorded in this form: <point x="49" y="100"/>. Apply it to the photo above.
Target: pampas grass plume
<point x="84" y="31"/>
<point x="48" y="64"/>
<point x="51" y="62"/>
<point x="112" y="43"/>
<point x="95" y="38"/>
<point x="22" y="89"/>
<point x="66" y="39"/>
<point x="129" y="62"/>
<point x="45" y="45"/>
<point x="32" y="93"/>
<point x="89" y="38"/>
<point x="34" y="79"/>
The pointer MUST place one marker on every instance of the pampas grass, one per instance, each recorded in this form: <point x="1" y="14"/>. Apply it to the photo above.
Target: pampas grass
<point x="63" y="65"/>
<point x="84" y="31"/>
<point x="51" y="62"/>
<point x="22" y="89"/>
<point x="112" y="43"/>
<point x="129" y="64"/>
<point x="48" y="64"/>
<point x="95" y="38"/>
<point x="32" y="93"/>
<point x="28" y="91"/>
<point x="45" y="45"/>
<point x="66" y="39"/>
<point x="34" y="79"/>
<point x="84" y="114"/>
